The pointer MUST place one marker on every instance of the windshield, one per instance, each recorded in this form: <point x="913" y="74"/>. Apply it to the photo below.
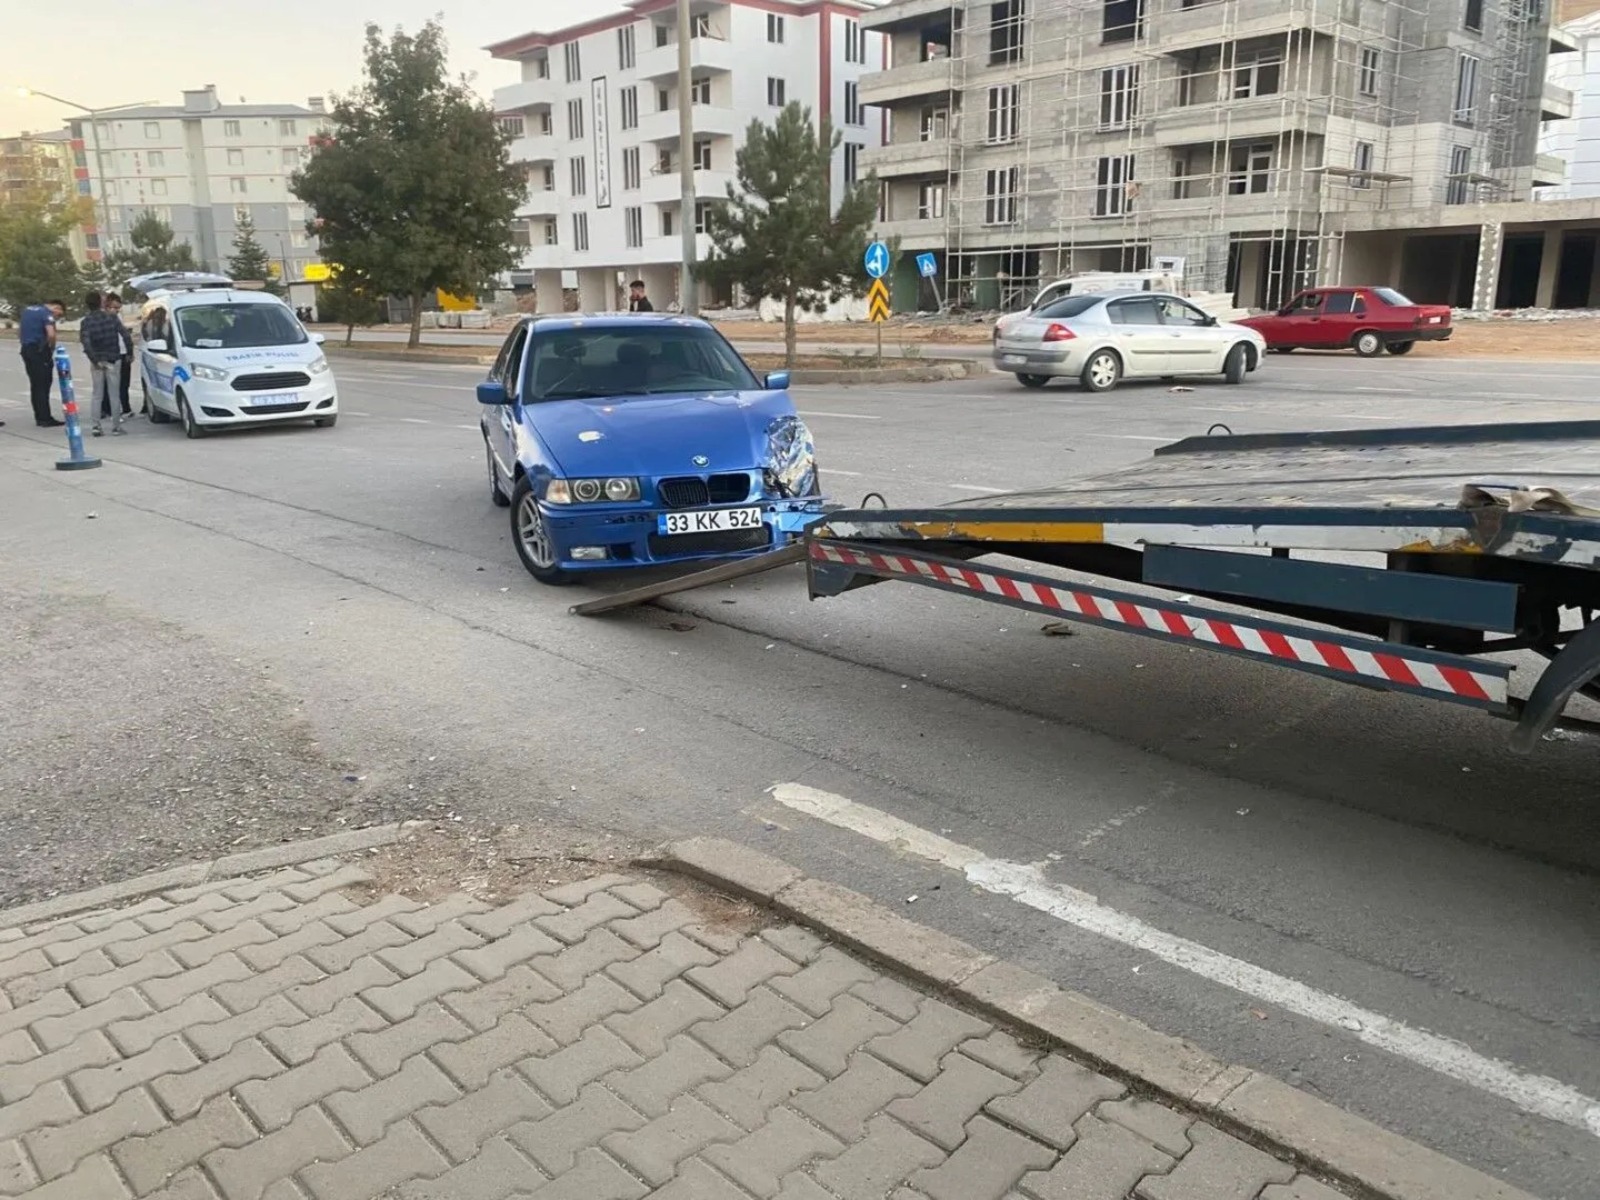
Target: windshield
<point x="633" y="360"/>
<point x="1390" y="296"/>
<point x="236" y="326"/>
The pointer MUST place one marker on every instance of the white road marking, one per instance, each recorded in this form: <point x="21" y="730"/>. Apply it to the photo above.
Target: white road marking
<point x="475" y="428"/>
<point x="415" y="421"/>
<point x="844" y="416"/>
<point x="837" y="471"/>
<point x="432" y="387"/>
<point x="1536" y="1094"/>
<point x="977" y="487"/>
<point x="348" y="413"/>
<point x="1135" y="437"/>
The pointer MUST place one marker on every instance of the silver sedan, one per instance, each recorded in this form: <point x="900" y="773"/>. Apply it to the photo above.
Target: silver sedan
<point x="1102" y="338"/>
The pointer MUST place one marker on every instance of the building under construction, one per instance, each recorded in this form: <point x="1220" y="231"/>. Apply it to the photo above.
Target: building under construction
<point x="1264" y="144"/>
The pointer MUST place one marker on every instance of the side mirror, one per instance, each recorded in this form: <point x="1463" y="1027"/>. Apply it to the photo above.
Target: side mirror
<point x="777" y="381"/>
<point x="1210" y="321"/>
<point x="319" y="338"/>
<point x="157" y="346"/>
<point x="491" y="391"/>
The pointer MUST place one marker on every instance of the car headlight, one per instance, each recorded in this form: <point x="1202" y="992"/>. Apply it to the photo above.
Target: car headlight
<point x="319" y="366"/>
<point x="791" y="468"/>
<point x="214" y="374"/>
<point x="618" y="490"/>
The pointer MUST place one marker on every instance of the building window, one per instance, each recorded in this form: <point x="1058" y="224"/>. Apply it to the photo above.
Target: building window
<point x="156" y="158"/>
<point x="1472" y="18"/>
<point x="666" y="222"/>
<point x="1367" y="73"/>
<point x="152" y="130"/>
<point x="855" y="42"/>
<point x="702" y="155"/>
<point x="630" y="107"/>
<point x="935" y="124"/>
<point x="230" y="129"/>
<point x="573" y="60"/>
<point x="1003" y="104"/>
<point x="700" y="91"/>
<point x="701" y="208"/>
<point x="1180" y="179"/>
<point x="664" y="163"/>
<point x="511" y="126"/>
<point x="1114" y="187"/>
<point x="1121" y="21"/>
<point x="574" y="119"/>
<point x="625" y="50"/>
<point x="662" y="38"/>
<point x="236" y="158"/>
<point x="578" y="170"/>
<point x="580" y="231"/>
<point x="699" y="25"/>
<point x="1250" y="170"/>
<point x="1005" y="31"/>
<point x="852" y="162"/>
<point x="775" y="29"/>
<point x="930" y="201"/>
<point x="552" y="232"/>
<point x="1466" y="107"/>
<point x="237" y="186"/>
<point x="1000" y="197"/>
<point x="291" y="158"/>
<point x="541" y="68"/>
<point x="1258" y="75"/>
<point x="288" y="129"/>
<point x="854" y="114"/>
<point x="1362" y="161"/>
<point x="663" y="100"/>
<point x="158" y="187"/>
<point x="633" y="227"/>
<point x="547" y="123"/>
<point x="1119" y="96"/>
<point x="1455" y="191"/>
<point x="630" y="169"/>
<point x="299" y="239"/>
<point x="549" y="177"/>
<point x="775" y="92"/>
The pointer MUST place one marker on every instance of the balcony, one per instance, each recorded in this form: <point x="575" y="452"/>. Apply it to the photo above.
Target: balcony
<point x="915" y="233"/>
<point x="1549" y="170"/>
<point x="1173" y="29"/>
<point x="540" y="147"/>
<point x="525" y="96"/>
<point x="709" y="121"/>
<point x="667" y="187"/>
<point x="540" y="202"/>
<point x="542" y="258"/>
<point x="707" y="56"/>
<point x="1262" y="119"/>
<point x="908" y="158"/>
<point x="909" y="82"/>
<point x="1555" y="103"/>
<point x="1563" y="42"/>
<point x="906" y="14"/>
<point x="669" y="249"/>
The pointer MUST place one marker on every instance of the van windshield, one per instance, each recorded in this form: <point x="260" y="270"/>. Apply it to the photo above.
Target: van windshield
<point x="236" y="326"/>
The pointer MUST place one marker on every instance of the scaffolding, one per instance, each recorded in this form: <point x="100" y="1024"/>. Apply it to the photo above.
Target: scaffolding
<point x="1234" y="135"/>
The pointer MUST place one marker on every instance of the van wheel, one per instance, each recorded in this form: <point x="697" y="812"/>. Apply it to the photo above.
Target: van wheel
<point x="1101" y="372"/>
<point x="1033" y="381"/>
<point x="192" y="429"/>
<point x="1367" y="344"/>
<point x="1237" y="365"/>
<point x="157" y="416"/>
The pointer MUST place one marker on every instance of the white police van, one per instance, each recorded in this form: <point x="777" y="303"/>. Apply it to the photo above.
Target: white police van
<point x="215" y="355"/>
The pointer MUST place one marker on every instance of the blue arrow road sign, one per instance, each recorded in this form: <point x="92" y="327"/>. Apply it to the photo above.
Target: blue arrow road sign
<point x="927" y="266"/>
<point x="877" y="260"/>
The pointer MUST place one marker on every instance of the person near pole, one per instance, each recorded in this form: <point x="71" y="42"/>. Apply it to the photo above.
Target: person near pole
<point x="37" y="328"/>
<point x="637" y="300"/>
<point x="112" y="303"/>
<point x="101" y="336"/>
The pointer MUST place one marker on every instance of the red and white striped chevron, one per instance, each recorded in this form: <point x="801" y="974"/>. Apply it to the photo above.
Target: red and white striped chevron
<point x="1383" y="664"/>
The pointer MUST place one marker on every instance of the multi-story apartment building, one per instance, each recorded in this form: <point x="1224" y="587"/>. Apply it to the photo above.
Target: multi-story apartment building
<point x="1245" y="138"/>
<point x="199" y="166"/>
<point x="41" y="165"/>
<point x="596" y="123"/>
<point x="1576" y="139"/>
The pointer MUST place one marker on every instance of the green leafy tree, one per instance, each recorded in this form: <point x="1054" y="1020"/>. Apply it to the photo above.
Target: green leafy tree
<point x="36" y="264"/>
<point x="414" y="189"/>
<point x="347" y="301"/>
<point x="153" y="247"/>
<point x="777" y="235"/>
<point x="250" y="260"/>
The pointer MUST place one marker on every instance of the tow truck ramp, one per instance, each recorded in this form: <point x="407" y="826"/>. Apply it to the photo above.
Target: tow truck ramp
<point x="1408" y="560"/>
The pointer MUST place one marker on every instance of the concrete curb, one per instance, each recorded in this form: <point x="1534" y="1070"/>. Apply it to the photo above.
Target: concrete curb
<point x="1268" y="1112"/>
<point x="401" y="354"/>
<point x="268" y="858"/>
<point x="938" y="371"/>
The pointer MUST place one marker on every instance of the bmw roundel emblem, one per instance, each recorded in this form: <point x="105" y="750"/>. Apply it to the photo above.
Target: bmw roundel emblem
<point x="700" y="460"/>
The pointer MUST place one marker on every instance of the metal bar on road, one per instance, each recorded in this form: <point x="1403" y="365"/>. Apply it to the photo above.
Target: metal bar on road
<point x="773" y="559"/>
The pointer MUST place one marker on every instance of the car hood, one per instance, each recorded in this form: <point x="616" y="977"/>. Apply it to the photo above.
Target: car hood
<point x="658" y="435"/>
<point x="254" y="358"/>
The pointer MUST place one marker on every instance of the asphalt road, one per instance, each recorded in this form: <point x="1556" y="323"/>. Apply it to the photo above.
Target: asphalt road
<point x="342" y="608"/>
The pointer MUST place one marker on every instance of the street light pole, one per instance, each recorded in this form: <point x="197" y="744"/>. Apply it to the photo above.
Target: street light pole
<point x="687" y="300"/>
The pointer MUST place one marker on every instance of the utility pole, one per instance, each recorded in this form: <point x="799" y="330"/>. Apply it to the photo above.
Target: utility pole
<point x="687" y="297"/>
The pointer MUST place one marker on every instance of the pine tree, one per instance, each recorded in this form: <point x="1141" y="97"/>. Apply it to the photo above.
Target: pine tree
<point x="249" y="260"/>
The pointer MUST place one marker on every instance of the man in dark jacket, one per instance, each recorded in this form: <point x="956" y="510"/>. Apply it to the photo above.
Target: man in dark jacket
<point x="637" y="300"/>
<point x="101" y="335"/>
<point x="113" y="305"/>
<point x="38" y="334"/>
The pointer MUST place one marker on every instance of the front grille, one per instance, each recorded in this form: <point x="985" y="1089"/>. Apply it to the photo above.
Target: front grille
<point x="729" y="489"/>
<point x="257" y="410"/>
<point x="733" y="541"/>
<point x="271" y="382"/>
<point x="686" y="492"/>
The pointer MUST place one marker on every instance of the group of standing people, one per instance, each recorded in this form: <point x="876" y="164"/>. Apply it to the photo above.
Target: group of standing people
<point x="107" y="344"/>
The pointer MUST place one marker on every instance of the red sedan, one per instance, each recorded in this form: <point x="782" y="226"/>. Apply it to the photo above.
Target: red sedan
<point x="1368" y="320"/>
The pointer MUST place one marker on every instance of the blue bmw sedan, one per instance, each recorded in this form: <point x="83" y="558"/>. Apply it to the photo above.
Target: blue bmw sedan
<point x="633" y="440"/>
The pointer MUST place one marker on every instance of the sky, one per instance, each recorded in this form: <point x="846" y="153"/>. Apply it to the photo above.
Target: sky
<point x="304" y="48"/>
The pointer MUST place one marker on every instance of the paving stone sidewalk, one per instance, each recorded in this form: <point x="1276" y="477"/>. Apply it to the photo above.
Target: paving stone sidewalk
<point x="278" y="1038"/>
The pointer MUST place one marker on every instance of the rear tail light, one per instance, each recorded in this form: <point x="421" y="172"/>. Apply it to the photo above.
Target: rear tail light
<point x="1058" y="333"/>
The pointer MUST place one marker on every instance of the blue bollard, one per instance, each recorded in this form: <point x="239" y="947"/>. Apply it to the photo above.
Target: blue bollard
<point x="76" y="459"/>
